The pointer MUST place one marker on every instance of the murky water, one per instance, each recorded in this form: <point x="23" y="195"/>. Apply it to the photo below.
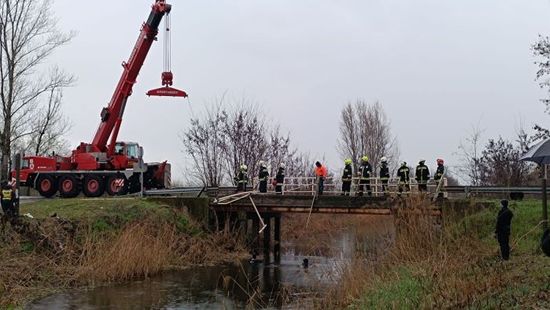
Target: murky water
<point x="283" y="285"/>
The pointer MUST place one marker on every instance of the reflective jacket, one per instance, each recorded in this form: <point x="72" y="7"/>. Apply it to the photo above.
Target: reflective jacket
<point x="280" y="176"/>
<point x="403" y="173"/>
<point x="384" y="172"/>
<point x="7" y="194"/>
<point x="347" y="174"/>
<point x="242" y="177"/>
<point x="422" y="173"/>
<point x="365" y="170"/>
<point x="439" y="172"/>
<point x="263" y="175"/>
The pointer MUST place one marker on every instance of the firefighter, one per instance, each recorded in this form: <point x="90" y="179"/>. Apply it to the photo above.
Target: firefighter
<point x="242" y="178"/>
<point x="280" y="179"/>
<point x="438" y="176"/>
<point x="347" y="177"/>
<point x="403" y="173"/>
<point x="422" y="175"/>
<point x="365" y="171"/>
<point x="263" y="177"/>
<point x="502" y="230"/>
<point x="8" y="200"/>
<point x="384" y="174"/>
<point x="321" y="174"/>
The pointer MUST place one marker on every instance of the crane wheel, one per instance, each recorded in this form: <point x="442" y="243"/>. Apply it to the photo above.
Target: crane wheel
<point x="46" y="185"/>
<point x="93" y="185"/>
<point x="68" y="186"/>
<point x="117" y="185"/>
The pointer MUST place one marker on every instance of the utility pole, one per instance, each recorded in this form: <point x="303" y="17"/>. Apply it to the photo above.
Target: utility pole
<point x="17" y="181"/>
<point x="141" y="169"/>
<point x="544" y="198"/>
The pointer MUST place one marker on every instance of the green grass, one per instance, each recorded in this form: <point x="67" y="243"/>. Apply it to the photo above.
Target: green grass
<point x="527" y="215"/>
<point x="106" y="215"/>
<point x="404" y="293"/>
<point x="522" y="282"/>
<point x="79" y="209"/>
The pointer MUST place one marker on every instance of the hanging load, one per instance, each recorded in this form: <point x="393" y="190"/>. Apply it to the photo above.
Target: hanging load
<point x="167" y="76"/>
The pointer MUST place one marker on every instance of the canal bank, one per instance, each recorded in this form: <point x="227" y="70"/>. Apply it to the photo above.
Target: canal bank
<point x="458" y="268"/>
<point x="66" y="243"/>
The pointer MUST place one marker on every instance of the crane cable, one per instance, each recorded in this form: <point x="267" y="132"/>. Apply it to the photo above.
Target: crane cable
<point x="167" y="57"/>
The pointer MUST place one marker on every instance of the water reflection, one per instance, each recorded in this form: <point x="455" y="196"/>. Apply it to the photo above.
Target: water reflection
<point x="283" y="285"/>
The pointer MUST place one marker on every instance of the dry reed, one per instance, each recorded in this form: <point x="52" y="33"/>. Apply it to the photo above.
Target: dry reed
<point x="41" y="256"/>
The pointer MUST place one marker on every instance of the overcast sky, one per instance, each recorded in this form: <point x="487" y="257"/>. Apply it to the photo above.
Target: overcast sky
<point x="438" y="67"/>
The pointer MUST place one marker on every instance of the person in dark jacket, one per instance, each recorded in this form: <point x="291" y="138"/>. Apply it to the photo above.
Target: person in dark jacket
<point x="242" y="178"/>
<point x="422" y="176"/>
<point x="384" y="174"/>
<point x="8" y="200"/>
<point x="403" y="173"/>
<point x="502" y="230"/>
<point x="280" y="179"/>
<point x="347" y="176"/>
<point x="365" y="171"/>
<point x="439" y="173"/>
<point x="263" y="177"/>
<point x="545" y="242"/>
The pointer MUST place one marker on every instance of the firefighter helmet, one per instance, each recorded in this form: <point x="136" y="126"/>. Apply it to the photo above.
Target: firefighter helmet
<point x="383" y="159"/>
<point x="347" y="161"/>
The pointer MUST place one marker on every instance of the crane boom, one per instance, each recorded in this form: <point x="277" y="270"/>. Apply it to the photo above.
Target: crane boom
<point x="111" y="116"/>
<point x="94" y="168"/>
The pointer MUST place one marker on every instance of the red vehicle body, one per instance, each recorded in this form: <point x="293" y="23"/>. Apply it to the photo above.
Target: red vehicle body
<point x="105" y="164"/>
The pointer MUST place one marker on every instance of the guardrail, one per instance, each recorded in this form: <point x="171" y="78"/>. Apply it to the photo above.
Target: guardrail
<point x="308" y="186"/>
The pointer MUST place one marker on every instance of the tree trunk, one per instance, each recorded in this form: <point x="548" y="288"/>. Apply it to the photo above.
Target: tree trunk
<point x="6" y="150"/>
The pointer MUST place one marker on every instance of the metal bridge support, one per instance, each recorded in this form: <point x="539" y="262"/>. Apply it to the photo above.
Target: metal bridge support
<point x="267" y="238"/>
<point x="270" y="237"/>
<point x="277" y="239"/>
<point x="254" y="236"/>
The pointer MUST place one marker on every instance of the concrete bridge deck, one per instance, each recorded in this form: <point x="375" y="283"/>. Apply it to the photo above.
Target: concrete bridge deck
<point x="303" y="204"/>
<point x="272" y="203"/>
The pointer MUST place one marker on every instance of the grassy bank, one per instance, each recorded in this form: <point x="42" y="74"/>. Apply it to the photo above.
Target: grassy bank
<point x="455" y="266"/>
<point x="81" y="242"/>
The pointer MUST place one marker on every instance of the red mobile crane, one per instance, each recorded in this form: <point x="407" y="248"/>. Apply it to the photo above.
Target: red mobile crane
<point x="105" y="164"/>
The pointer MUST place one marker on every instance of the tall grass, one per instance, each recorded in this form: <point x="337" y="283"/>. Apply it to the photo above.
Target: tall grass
<point x="41" y="255"/>
<point x="455" y="265"/>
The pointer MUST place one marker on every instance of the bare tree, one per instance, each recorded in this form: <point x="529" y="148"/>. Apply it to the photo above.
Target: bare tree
<point x="541" y="49"/>
<point x="49" y="125"/>
<point x="301" y="165"/>
<point x="349" y="143"/>
<point x="280" y="150"/>
<point x="469" y="152"/>
<point x="245" y="138"/>
<point x="203" y="141"/>
<point x="366" y="130"/>
<point x="28" y="36"/>
<point x="500" y="164"/>
<point x="232" y="134"/>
